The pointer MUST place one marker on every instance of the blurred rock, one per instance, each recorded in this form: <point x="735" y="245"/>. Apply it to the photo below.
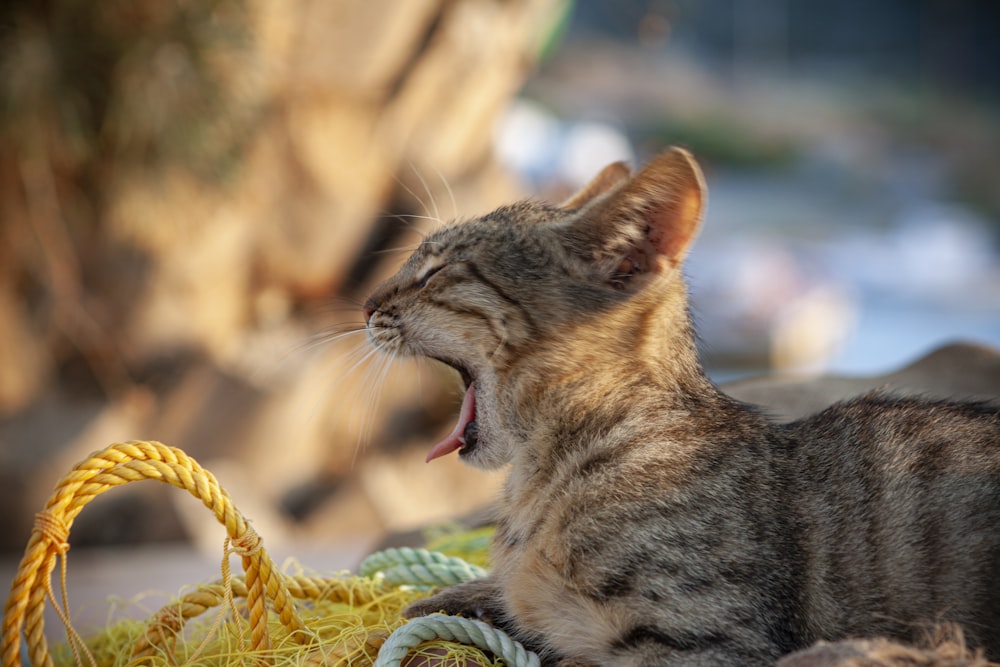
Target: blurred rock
<point x="25" y="367"/>
<point x="961" y="371"/>
<point x="374" y="43"/>
<point x="224" y="171"/>
<point x="946" y="649"/>
<point x="40" y="445"/>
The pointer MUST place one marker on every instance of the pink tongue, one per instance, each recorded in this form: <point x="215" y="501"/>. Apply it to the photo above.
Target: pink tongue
<point x="456" y="439"/>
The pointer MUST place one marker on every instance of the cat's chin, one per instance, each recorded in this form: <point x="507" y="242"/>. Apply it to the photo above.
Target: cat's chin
<point x="488" y="453"/>
<point x="471" y="437"/>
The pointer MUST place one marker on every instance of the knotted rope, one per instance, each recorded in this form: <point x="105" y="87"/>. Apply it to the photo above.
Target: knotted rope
<point x="388" y="573"/>
<point x="423" y="568"/>
<point x="116" y="465"/>
<point x="457" y="629"/>
<point x="419" y="567"/>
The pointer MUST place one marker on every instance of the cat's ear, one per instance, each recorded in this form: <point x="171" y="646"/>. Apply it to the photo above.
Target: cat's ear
<point x="644" y="226"/>
<point x="611" y="176"/>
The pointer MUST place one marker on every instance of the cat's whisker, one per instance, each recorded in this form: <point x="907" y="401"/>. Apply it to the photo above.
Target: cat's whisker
<point x="420" y="366"/>
<point x="342" y="310"/>
<point x="415" y="216"/>
<point x="340" y="304"/>
<point x="427" y="189"/>
<point x="376" y="375"/>
<point x="335" y="316"/>
<point x="361" y="421"/>
<point x="338" y="383"/>
<point x="375" y="381"/>
<point x="335" y="333"/>
<point x="418" y="199"/>
<point x="324" y="338"/>
<point x="354" y="392"/>
<point x="406" y="219"/>
<point x="366" y="353"/>
<point x="392" y="251"/>
<point x="305" y="345"/>
<point x="447" y="187"/>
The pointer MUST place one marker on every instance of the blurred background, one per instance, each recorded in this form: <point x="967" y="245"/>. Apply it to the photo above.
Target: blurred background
<point x="196" y="195"/>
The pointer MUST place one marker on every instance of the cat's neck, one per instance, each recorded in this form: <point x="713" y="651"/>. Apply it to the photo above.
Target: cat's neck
<point x="633" y="363"/>
<point x="650" y="336"/>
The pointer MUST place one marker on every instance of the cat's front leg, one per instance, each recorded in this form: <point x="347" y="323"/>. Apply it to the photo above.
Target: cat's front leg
<point x="480" y="599"/>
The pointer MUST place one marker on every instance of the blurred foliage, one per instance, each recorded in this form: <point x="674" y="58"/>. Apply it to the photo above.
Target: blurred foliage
<point x="95" y="96"/>
<point x="720" y="141"/>
<point x="96" y="89"/>
<point x="961" y="130"/>
<point x="554" y="36"/>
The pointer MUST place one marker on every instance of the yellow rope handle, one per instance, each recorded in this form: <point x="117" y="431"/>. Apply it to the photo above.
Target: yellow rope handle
<point x="119" y="464"/>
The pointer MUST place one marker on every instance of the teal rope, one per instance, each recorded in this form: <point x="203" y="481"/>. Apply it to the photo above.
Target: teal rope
<point x="419" y="567"/>
<point x="453" y="628"/>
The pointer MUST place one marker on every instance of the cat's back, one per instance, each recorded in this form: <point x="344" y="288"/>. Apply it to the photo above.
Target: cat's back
<point x="899" y="508"/>
<point x="882" y="441"/>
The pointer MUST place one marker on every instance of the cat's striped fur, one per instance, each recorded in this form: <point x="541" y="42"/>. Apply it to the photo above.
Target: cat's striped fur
<point x="648" y="519"/>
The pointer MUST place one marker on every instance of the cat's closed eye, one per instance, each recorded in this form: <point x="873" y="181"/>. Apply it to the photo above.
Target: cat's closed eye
<point x="427" y="275"/>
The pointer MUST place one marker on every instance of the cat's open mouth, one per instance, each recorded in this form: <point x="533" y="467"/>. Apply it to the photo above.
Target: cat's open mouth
<point x="465" y="435"/>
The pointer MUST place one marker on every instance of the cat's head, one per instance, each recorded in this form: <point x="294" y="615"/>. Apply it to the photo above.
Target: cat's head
<point x="518" y="291"/>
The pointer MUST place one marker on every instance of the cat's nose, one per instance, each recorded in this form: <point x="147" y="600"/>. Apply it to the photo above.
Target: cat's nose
<point x="368" y="309"/>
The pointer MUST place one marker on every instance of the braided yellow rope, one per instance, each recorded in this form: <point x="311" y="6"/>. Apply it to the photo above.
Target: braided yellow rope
<point x="116" y="465"/>
<point x="164" y="625"/>
<point x="391" y="576"/>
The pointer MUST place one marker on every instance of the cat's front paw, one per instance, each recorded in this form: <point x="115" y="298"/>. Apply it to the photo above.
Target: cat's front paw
<point x="479" y="599"/>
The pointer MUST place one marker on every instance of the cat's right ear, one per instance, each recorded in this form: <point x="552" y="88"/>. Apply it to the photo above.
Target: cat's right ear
<point x="610" y="177"/>
<point x="643" y="226"/>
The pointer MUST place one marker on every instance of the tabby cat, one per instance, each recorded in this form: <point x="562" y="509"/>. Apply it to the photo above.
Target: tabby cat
<point x="649" y="519"/>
